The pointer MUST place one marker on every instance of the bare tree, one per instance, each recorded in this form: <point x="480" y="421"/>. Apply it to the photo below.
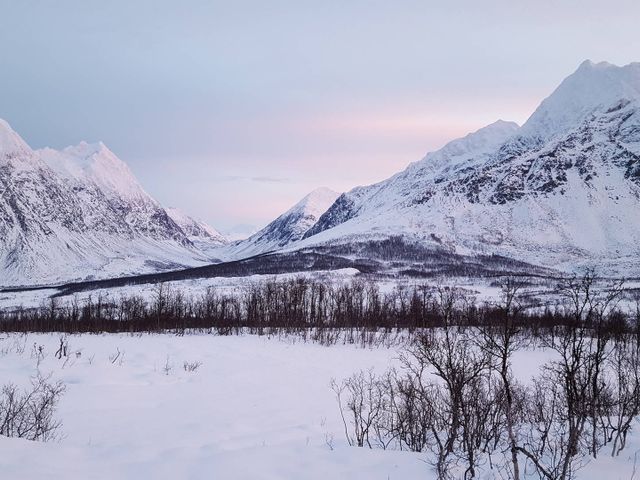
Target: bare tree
<point x="451" y="355"/>
<point x="500" y="341"/>
<point x="625" y="404"/>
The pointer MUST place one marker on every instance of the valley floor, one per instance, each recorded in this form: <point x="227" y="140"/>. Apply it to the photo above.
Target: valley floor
<point x="256" y="408"/>
<point x="481" y="289"/>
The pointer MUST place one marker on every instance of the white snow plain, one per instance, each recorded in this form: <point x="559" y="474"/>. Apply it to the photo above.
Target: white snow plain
<point x="257" y="408"/>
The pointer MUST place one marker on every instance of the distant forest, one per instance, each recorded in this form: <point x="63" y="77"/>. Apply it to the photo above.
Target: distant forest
<point x="301" y="304"/>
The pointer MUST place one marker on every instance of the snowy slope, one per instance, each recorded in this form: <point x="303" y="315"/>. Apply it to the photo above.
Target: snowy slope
<point x="288" y="227"/>
<point x="593" y="87"/>
<point x="203" y="236"/>
<point x="79" y="213"/>
<point x="563" y="190"/>
<point x="11" y="144"/>
<point x="95" y="164"/>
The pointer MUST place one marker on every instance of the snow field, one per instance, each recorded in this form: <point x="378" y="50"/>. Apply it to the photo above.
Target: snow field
<point x="255" y="408"/>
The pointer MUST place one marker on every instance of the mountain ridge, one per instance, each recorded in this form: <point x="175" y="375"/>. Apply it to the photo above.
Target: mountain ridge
<point x="80" y="213"/>
<point x="561" y="191"/>
<point x="563" y="195"/>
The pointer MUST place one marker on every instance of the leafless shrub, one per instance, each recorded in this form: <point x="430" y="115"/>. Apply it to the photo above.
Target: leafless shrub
<point x="168" y="366"/>
<point x="30" y="413"/>
<point x="461" y="370"/>
<point x="63" y="349"/>
<point x="415" y="406"/>
<point x="364" y="403"/>
<point x="18" y="345"/>
<point x="500" y="340"/>
<point x="191" y="366"/>
<point x="37" y="353"/>
<point x="117" y="357"/>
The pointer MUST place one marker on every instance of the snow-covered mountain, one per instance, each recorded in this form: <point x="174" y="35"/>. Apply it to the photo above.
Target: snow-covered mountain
<point x="563" y="190"/>
<point x="288" y="227"/>
<point x="79" y="213"/>
<point x="206" y="238"/>
<point x="96" y="165"/>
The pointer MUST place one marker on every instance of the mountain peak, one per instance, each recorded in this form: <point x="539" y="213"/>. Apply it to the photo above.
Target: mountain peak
<point x="471" y="147"/>
<point x="10" y="141"/>
<point x="65" y="215"/>
<point x="316" y="202"/>
<point x="561" y="191"/>
<point x="320" y="193"/>
<point x="86" y="148"/>
<point x="590" y="65"/>
<point x="94" y="162"/>
<point x="489" y="137"/>
<point x="288" y="227"/>
<point x="591" y="87"/>
<point x="499" y="127"/>
<point x="92" y="152"/>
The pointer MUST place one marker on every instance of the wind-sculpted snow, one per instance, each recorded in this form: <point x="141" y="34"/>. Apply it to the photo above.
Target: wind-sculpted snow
<point x="563" y="190"/>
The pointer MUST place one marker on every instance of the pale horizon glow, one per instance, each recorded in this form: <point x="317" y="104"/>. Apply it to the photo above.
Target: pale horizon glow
<point x="233" y="111"/>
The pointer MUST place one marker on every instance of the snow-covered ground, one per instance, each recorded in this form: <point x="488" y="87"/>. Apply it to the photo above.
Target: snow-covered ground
<point x="477" y="289"/>
<point x="257" y="408"/>
<point x="190" y="288"/>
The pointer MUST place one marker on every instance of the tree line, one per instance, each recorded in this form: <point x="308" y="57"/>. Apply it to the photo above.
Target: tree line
<point x="295" y="306"/>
